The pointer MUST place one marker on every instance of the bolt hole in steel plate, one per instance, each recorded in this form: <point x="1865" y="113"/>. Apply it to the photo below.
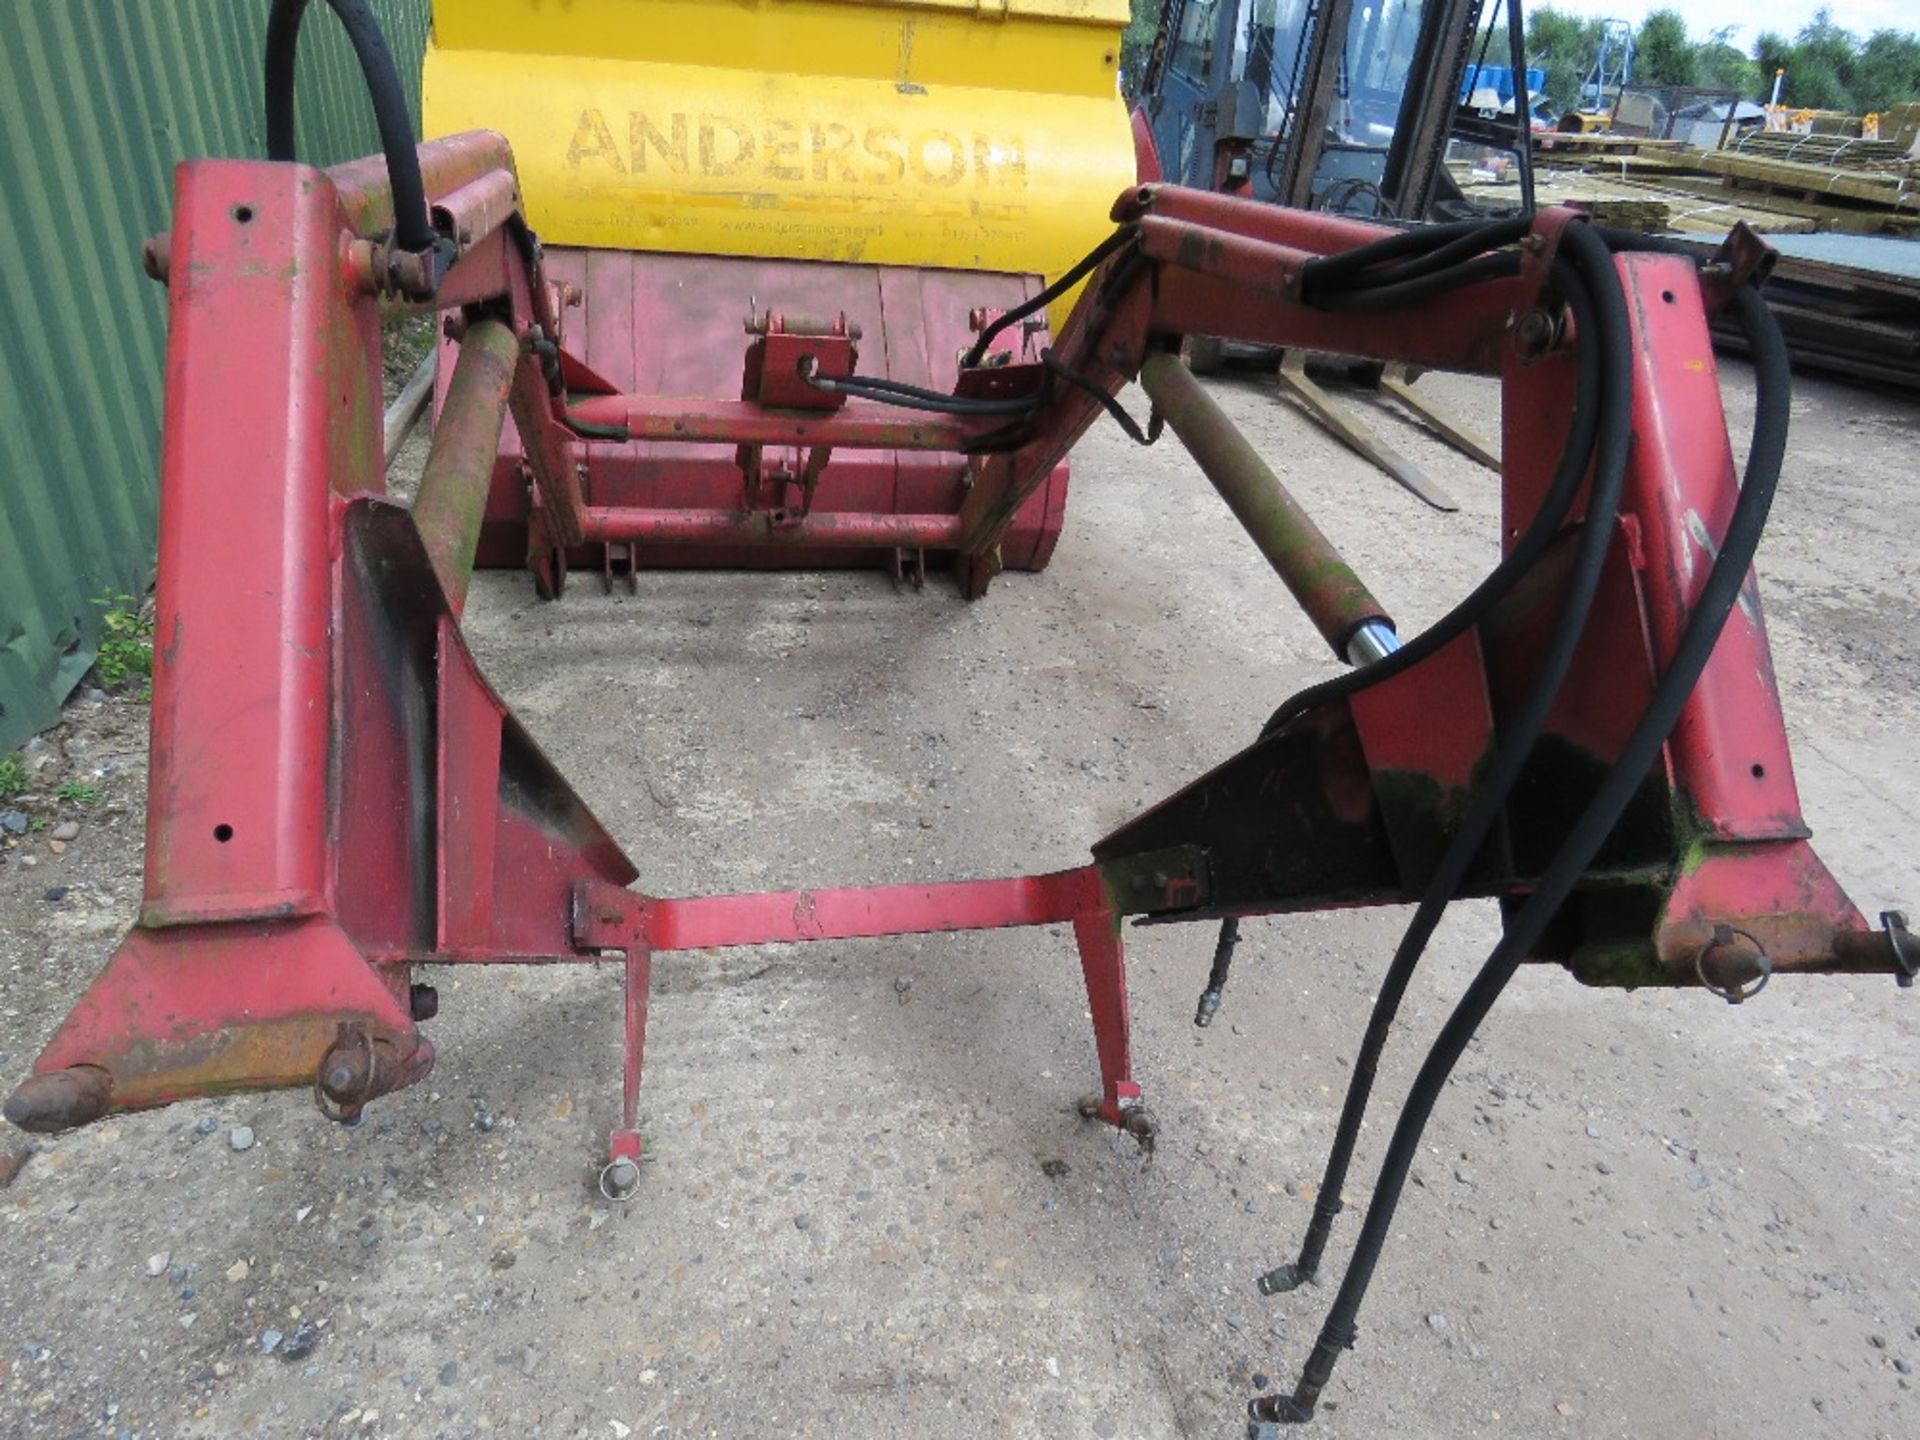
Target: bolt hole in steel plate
<point x="1759" y="771"/>
<point x="223" y="832"/>
<point x="243" y="213"/>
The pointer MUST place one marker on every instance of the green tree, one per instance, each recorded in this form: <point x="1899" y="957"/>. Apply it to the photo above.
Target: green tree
<point x="1564" y="46"/>
<point x="1662" y="53"/>
<point x="1722" y="65"/>
<point x="1887" y="70"/>
<point x="1772" y="53"/>
<point x="1821" y="74"/>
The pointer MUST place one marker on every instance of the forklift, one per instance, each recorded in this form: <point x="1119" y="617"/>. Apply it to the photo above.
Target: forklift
<point x="1346" y="106"/>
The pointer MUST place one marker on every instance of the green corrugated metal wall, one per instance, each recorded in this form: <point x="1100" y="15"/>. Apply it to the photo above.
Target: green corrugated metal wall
<point x="98" y="99"/>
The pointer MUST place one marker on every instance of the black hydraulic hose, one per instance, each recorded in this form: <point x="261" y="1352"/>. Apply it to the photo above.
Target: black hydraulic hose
<point x="918" y="397"/>
<point x="1397" y="295"/>
<point x="1417" y="240"/>
<point x="1554" y="504"/>
<point x="413" y="230"/>
<point x="1504" y="576"/>
<point x="1082" y="268"/>
<point x="893" y="387"/>
<point x="900" y="392"/>
<point x="587" y="430"/>
<point x="1619" y="239"/>
<point x="1601" y="308"/>
<point x="1642" y="748"/>
<point x="1108" y="401"/>
<point x="1217" y="977"/>
<point x="1483" y="238"/>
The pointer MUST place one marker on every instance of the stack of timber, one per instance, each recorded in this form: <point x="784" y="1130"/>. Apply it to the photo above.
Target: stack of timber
<point x="1650" y="217"/>
<point x="1557" y="147"/>
<point x="1901" y="124"/>
<point x="1774" y="183"/>
<point x="1850" y="306"/>
<point x="1822" y="169"/>
<point x="1841" y="151"/>
<point x="1696" y="205"/>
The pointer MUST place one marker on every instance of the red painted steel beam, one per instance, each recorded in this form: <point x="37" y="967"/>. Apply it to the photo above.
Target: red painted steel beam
<point x="447" y="166"/>
<point x="470" y="213"/>
<point x="548" y="446"/>
<point x="1106" y="343"/>
<point x="869" y="911"/>
<point x="759" y="527"/>
<point x="858" y="425"/>
<point x="1729" y="749"/>
<point x="1233" y="286"/>
<point x="1315" y="232"/>
<point x="266" y="362"/>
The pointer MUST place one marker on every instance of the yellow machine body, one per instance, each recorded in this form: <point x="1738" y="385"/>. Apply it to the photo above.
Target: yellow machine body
<point x="942" y="133"/>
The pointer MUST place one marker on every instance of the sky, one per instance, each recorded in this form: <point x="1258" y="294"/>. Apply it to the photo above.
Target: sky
<point x="1785" y="17"/>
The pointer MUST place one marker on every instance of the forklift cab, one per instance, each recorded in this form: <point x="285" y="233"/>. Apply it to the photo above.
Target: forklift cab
<point x="1340" y="105"/>
<point x="1233" y="85"/>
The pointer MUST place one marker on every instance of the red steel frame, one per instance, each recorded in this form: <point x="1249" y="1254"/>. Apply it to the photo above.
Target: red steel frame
<point x="338" y="797"/>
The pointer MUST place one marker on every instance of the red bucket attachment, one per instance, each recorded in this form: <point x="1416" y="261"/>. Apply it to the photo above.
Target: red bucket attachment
<point x="660" y="326"/>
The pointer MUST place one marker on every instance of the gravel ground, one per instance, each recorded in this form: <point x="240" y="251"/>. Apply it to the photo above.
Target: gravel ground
<point x="871" y="1209"/>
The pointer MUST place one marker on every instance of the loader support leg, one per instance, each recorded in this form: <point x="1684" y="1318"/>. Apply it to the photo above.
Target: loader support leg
<point x="622" y="1173"/>
<point x="1103" y="963"/>
<point x="612" y="918"/>
<point x="639" y="977"/>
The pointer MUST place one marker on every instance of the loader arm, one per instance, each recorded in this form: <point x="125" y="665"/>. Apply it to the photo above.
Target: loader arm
<point x="338" y="798"/>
